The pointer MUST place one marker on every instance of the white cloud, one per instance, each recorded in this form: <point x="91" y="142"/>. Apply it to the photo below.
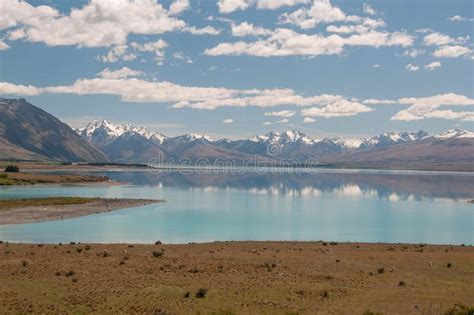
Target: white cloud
<point x="321" y="11"/>
<point x="438" y="39"/>
<point x="208" y="30"/>
<point x="283" y="113"/>
<point x="245" y="29"/>
<point x="376" y="66"/>
<point x="429" y="107"/>
<point x="413" y="53"/>
<point x="3" y="45"/>
<point x="17" y="89"/>
<point x="286" y="42"/>
<point x="339" y="108"/>
<point x="118" y="52"/>
<point x="374" y="101"/>
<point x="309" y="120"/>
<point x="368" y="9"/>
<point x="458" y="18"/>
<point x="283" y="121"/>
<point x="181" y="56"/>
<point x="119" y="74"/>
<point x="179" y="6"/>
<point x="267" y="123"/>
<point x="412" y="67"/>
<point x="228" y="121"/>
<point x="96" y="24"/>
<point x="452" y="51"/>
<point x="434" y="65"/>
<point x="228" y="6"/>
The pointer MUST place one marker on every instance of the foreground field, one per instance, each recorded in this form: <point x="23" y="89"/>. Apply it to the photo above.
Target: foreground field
<point x="236" y="277"/>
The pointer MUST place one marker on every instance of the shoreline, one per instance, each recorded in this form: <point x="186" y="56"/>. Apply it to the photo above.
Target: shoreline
<point x="34" y="214"/>
<point x="236" y="278"/>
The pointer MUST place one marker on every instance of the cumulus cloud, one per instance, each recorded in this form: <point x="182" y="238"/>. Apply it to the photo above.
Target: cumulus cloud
<point x="248" y="29"/>
<point x="179" y="6"/>
<point x="374" y="101"/>
<point x="340" y="108"/>
<point x="266" y="123"/>
<point x="434" y="107"/>
<point x="458" y="18"/>
<point x="413" y="53"/>
<point x="119" y="74"/>
<point x="3" y="45"/>
<point x="309" y="120"/>
<point x="432" y="66"/>
<point x="228" y="6"/>
<point x="96" y="24"/>
<point x="412" y="67"/>
<point x="438" y="39"/>
<point x="283" y="121"/>
<point x="286" y="42"/>
<point x="18" y="89"/>
<point x="228" y="121"/>
<point x="283" y="113"/>
<point x="320" y="11"/>
<point x="452" y="51"/>
<point x="368" y="9"/>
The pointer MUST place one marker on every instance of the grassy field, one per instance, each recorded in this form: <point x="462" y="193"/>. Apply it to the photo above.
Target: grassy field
<point x="43" y="202"/>
<point x="237" y="278"/>
<point x="9" y="179"/>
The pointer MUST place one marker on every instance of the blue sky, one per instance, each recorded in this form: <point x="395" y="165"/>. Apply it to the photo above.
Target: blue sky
<point x="235" y="68"/>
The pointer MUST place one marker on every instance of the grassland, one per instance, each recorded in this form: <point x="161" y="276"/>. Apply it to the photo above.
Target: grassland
<point x="237" y="278"/>
<point x="9" y="179"/>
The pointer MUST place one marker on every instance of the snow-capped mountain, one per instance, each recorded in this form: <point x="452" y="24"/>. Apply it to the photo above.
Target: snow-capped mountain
<point x="391" y="138"/>
<point x="102" y="132"/>
<point x="133" y="144"/>
<point x="455" y="133"/>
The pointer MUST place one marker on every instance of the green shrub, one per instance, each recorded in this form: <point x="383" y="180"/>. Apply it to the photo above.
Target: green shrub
<point x="12" y="169"/>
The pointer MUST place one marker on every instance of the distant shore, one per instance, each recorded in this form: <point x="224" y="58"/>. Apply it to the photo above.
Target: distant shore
<point x="59" y="208"/>
<point x="34" y="178"/>
<point x="237" y="278"/>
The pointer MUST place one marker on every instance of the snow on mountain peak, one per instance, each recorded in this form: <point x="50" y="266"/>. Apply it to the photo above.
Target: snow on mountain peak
<point x="111" y="131"/>
<point x="455" y="133"/>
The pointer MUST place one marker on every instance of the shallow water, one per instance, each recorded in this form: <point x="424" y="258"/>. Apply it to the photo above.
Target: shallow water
<point x="366" y="206"/>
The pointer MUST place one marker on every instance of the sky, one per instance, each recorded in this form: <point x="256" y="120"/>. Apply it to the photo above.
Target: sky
<point x="236" y="68"/>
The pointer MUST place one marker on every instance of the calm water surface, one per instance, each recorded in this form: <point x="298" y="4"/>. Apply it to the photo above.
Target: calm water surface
<point x="368" y="206"/>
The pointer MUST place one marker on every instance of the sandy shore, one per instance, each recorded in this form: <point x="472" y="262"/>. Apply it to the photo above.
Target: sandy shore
<point x="59" y="212"/>
<point x="238" y="278"/>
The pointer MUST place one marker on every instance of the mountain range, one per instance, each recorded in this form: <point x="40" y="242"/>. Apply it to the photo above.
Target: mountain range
<point x="29" y="133"/>
<point x="133" y="144"/>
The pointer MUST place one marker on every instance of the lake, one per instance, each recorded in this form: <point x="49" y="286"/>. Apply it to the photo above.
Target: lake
<point x="335" y="205"/>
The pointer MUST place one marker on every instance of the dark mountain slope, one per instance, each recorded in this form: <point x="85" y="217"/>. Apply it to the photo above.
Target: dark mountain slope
<point x="40" y="134"/>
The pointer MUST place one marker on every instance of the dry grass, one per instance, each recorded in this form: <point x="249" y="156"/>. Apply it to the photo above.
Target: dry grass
<point x="8" y="179"/>
<point x="234" y="278"/>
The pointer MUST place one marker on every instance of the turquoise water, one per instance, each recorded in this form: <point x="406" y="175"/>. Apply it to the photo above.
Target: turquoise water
<point x="368" y="206"/>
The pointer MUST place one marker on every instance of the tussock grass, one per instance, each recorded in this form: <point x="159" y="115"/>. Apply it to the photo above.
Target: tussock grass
<point x="43" y="202"/>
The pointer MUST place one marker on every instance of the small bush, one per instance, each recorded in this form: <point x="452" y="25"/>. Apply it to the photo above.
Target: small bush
<point x="157" y="254"/>
<point x="401" y="283"/>
<point x="79" y="250"/>
<point x="88" y="247"/>
<point x="24" y="263"/>
<point x="57" y="273"/>
<point x="325" y="294"/>
<point x="459" y="309"/>
<point x="122" y="262"/>
<point x="12" y="169"/>
<point x="449" y="265"/>
<point x="201" y="293"/>
<point x="3" y="176"/>
<point x="381" y="270"/>
<point x="187" y="295"/>
<point x="158" y="243"/>
<point x="70" y="273"/>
